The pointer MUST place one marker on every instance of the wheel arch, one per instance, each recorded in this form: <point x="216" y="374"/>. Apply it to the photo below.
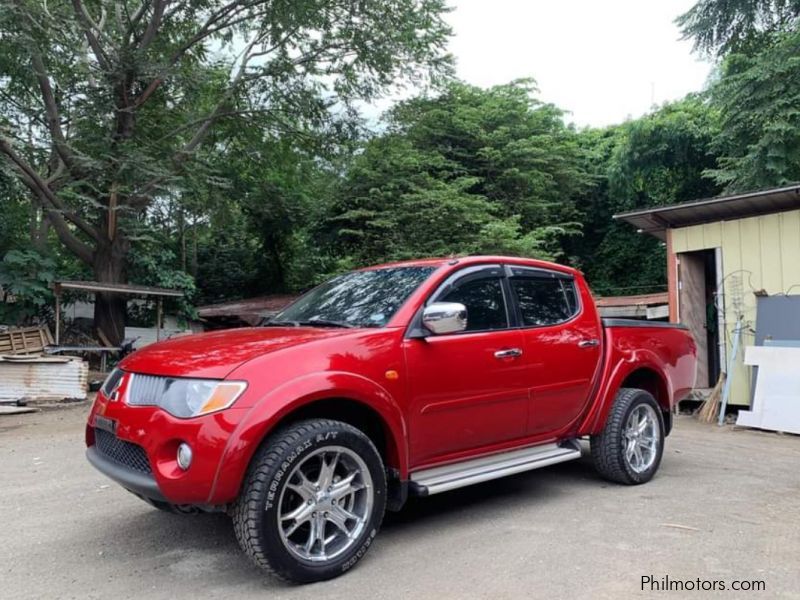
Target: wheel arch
<point x="353" y="412"/>
<point x="640" y="373"/>
<point x="340" y="396"/>
<point x="653" y="382"/>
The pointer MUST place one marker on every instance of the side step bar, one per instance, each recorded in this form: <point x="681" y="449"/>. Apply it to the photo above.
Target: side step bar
<point x="449" y="477"/>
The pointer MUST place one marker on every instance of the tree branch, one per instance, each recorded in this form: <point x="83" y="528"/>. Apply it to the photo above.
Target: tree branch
<point x="88" y="27"/>
<point x="51" y="111"/>
<point x="134" y="19"/>
<point x="205" y="31"/>
<point x="202" y="131"/>
<point x="153" y="25"/>
<point x="67" y="237"/>
<point x="51" y="202"/>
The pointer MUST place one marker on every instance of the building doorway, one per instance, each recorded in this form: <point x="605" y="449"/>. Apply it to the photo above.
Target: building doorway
<point x="698" y="309"/>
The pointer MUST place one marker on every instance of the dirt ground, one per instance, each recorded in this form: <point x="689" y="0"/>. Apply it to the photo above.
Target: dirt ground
<point x="725" y="506"/>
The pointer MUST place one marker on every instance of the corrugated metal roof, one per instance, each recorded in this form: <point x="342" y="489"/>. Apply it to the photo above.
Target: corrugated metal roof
<point x="119" y="288"/>
<point x="43" y="378"/>
<point x="250" y="311"/>
<point x="656" y="221"/>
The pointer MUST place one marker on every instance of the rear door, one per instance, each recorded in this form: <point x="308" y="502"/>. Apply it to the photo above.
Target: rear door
<point x="468" y="389"/>
<point x="562" y="338"/>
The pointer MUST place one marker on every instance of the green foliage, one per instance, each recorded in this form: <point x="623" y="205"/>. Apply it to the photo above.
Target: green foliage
<point x="720" y="27"/>
<point x="231" y="162"/>
<point x="656" y="160"/>
<point x="25" y="280"/>
<point x="758" y="97"/>
<point x="467" y="171"/>
<point x="661" y="157"/>
<point x="108" y="109"/>
<point x="15" y="215"/>
<point x="153" y="264"/>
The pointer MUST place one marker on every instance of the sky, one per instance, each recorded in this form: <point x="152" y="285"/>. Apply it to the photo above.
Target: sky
<point x="604" y="61"/>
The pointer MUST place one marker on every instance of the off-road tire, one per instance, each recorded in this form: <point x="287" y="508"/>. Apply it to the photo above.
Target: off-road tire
<point x="255" y="513"/>
<point x="608" y="448"/>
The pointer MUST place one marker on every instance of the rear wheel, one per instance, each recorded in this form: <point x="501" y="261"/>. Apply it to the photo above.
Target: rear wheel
<point x="312" y="502"/>
<point x="630" y="447"/>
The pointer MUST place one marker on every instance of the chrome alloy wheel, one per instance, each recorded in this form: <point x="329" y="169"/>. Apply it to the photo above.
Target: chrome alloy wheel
<point x="642" y="436"/>
<point x="325" y="504"/>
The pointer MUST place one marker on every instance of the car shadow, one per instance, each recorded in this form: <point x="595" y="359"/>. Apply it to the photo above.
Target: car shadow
<point x="484" y="499"/>
<point x="205" y="543"/>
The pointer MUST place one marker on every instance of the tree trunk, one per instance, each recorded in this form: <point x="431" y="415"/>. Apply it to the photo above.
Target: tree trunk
<point x="110" y="261"/>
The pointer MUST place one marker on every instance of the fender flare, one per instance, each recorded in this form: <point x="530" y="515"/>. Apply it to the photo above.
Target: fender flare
<point x="280" y="402"/>
<point x="594" y="421"/>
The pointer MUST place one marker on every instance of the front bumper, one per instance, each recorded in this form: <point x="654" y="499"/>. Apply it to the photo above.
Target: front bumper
<point x="140" y="484"/>
<point x="139" y="451"/>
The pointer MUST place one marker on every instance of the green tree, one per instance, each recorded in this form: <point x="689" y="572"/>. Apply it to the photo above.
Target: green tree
<point x="25" y="279"/>
<point x="467" y="171"/>
<point x="720" y="27"/>
<point x="107" y="107"/>
<point x="659" y="159"/>
<point x="17" y="228"/>
<point x="757" y="97"/>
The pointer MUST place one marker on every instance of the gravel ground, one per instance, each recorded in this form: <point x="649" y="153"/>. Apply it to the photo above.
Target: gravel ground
<point x="724" y="506"/>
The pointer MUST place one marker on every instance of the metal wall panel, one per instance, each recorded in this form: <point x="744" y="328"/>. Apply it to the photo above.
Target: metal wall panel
<point x="769" y="248"/>
<point x="43" y="379"/>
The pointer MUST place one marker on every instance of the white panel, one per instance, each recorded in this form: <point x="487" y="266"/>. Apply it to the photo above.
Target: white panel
<point x="658" y="312"/>
<point x="776" y="403"/>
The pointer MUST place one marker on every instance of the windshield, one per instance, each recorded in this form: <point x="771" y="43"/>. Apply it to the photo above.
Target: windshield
<point x="357" y="299"/>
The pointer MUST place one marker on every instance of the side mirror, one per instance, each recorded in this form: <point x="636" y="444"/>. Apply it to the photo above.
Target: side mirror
<point x="445" y="317"/>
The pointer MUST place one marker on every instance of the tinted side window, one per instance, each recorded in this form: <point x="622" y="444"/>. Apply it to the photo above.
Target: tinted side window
<point x="486" y="308"/>
<point x="544" y="301"/>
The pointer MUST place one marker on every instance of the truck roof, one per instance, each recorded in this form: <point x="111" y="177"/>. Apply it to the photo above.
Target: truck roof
<point x="476" y="260"/>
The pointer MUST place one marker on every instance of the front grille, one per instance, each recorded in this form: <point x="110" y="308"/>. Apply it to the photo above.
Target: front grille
<point x="146" y="390"/>
<point x="122" y="452"/>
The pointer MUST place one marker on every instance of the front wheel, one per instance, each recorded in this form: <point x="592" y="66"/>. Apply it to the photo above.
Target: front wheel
<point x="630" y="447"/>
<point x="312" y="502"/>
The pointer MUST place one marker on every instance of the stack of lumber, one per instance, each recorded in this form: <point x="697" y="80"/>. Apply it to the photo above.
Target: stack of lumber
<point x="25" y="340"/>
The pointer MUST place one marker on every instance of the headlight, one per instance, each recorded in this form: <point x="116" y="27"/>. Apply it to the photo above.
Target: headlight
<point x="112" y="382"/>
<point x="184" y="398"/>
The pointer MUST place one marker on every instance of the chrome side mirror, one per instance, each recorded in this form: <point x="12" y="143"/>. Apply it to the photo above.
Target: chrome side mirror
<point x="445" y="317"/>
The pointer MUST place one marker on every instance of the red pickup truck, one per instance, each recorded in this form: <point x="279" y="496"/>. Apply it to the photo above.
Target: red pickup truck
<point x="412" y="378"/>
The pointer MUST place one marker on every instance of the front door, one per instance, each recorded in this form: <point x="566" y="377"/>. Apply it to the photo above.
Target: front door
<point x="468" y="389"/>
<point x="562" y="344"/>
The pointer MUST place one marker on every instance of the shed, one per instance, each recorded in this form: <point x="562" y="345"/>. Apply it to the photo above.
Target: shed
<point x="723" y="255"/>
<point x="95" y="287"/>
<point x="243" y="313"/>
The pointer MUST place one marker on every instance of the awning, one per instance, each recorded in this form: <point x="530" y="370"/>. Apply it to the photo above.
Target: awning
<point x="656" y="221"/>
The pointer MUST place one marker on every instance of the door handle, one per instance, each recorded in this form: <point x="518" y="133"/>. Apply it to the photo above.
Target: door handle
<point x="588" y="343"/>
<point x="509" y="353"/>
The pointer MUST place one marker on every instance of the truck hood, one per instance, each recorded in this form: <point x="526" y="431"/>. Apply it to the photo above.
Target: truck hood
<point x="213" y="355"/>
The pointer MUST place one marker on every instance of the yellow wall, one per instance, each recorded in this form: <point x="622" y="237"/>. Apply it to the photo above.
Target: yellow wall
<point x="766" y="252"/>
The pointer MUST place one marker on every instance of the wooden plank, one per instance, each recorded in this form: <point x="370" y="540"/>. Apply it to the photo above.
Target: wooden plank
<point x="25" y="340"/>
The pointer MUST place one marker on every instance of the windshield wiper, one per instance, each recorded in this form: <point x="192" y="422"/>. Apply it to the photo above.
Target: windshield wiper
<point x="308" y="323"/>
<point x="325" y="323"/>
<point x="272" y="323"/>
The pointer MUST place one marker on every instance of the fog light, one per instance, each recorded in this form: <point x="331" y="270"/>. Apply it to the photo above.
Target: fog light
<point x="184" y="456"/>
